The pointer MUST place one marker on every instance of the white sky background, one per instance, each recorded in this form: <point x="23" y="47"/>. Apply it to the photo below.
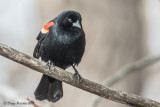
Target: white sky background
<point x="19" y="27"/>
<point x="151" y="87"/>
<point x="18" y="22"/>
<point x="152" y="8"/>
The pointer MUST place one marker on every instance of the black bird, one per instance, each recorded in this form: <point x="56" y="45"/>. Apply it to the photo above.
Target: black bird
<point x="61" y="42"/>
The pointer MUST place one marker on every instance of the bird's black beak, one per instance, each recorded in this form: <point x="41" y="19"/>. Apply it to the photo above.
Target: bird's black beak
<point x="77" y="24"/>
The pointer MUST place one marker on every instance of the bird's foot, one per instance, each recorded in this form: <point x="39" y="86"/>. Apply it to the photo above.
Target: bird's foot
<point x="77" y="76"/>
<point x="49" y="65"/>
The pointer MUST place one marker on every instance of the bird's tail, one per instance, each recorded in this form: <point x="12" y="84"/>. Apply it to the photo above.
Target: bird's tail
<point x="49" y="88"/>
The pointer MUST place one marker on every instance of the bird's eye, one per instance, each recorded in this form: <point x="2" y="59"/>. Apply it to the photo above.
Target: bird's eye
<point x="70" y="20"/>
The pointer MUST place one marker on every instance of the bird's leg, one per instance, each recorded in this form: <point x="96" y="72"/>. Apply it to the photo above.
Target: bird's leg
<point x="49" y="65"/>
<point x="76" y="74"/>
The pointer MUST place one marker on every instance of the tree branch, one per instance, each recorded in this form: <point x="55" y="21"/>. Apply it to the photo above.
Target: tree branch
<point x="65" y="76"/>
<point x="124" y="71"/>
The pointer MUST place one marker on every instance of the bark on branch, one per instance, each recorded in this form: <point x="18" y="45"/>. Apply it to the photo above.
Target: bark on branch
<point x="65" y="76"/>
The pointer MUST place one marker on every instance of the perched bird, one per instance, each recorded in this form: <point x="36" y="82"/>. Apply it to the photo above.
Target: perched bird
<point x="61" y="42"/>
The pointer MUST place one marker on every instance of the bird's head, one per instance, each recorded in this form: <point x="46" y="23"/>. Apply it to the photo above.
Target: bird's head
<point x="70" y="20"/>
<point x="67" y="23"/>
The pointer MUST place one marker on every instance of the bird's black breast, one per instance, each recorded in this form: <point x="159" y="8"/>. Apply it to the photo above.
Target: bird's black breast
<point x="60" y="52"/>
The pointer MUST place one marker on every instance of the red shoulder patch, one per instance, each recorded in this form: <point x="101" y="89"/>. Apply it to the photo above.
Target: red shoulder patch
<point x="48" y="25"/>
<point x="45" y="29"/>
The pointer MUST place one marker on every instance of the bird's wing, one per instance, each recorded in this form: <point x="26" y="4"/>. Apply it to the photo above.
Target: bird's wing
<point x="40" y="38"/>
<point x="44" y="32"/>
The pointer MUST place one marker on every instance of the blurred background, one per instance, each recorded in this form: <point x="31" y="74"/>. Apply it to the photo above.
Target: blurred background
<point x="118" y="32"/>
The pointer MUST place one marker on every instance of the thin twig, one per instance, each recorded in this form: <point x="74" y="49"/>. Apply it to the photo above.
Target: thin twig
<point x="65" y="76"/>
<point x="32" y="102"/>
<point x="123" y="72"/>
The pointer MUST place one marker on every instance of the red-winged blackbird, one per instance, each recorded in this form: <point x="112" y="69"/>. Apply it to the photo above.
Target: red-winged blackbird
<point x="61" y="42"/>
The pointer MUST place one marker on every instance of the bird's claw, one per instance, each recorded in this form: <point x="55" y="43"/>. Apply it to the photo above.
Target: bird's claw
<point x="77" y="76"/>
<point x="49" y="65"/>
